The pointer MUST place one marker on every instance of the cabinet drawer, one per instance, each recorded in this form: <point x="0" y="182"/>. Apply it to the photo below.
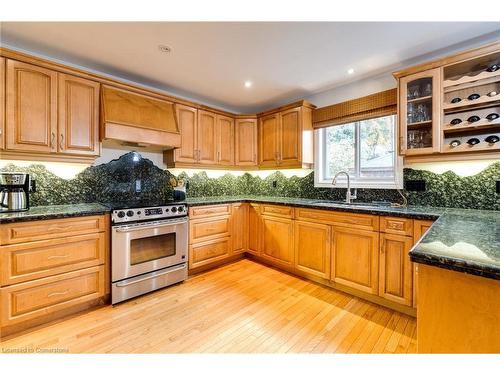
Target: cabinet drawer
<point x="34" y="299"/>
<point x="208" y="211"/>
<point x="34" y="260"/>
<point x="203" y="230"/>
<point x="208" y="252"/>
<point x="396" y="225"/>
<point x="280" y="211"/>
<point x="47" y="229"/>
<point x="341" y="219"/>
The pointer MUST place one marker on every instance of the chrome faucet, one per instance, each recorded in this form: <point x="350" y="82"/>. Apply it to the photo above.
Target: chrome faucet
<point x="348" y="196"/>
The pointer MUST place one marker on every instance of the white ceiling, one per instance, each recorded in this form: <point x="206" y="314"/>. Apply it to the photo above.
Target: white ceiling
<point x="209" y="62"/>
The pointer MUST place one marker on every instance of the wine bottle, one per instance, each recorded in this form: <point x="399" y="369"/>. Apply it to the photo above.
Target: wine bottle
<point x="473" y="141"/>
<point x="455" y="121"/>
<point x="473" y="118"/>
<point x="493" y="68"/>
<point x="456" y="100"/>
<point x="473" y="96"/>
<point x="492" y="116"/>
<point x="491" y="139"/>
<point x="455" y="143"/>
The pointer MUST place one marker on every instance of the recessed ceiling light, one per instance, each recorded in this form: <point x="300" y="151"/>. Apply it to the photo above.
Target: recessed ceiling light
<point x="164" y="48"/>
<point x="248" y="84"/>
<point x="350" y="71"/>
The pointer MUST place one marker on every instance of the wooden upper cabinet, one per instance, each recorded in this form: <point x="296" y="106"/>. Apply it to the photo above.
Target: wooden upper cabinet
<point x="2" y="103"/>
<point x="286" y="137"/>
<point x="396" y="273"/>
<point x="355" y="259"/>
<point x="207" y="137"/>
<point x="420" y="113"/>
<point x="312" y="248"/>
<point x="31" y="108"/>
<point x="268" y="140"/>
<point x="225" y="140"/>
<point x="78" y="120"/>
<point x="187" y="118"/>
<point x="290" y="144"/>
<point x="277" y="240"/>
<point x="246" y="142"/>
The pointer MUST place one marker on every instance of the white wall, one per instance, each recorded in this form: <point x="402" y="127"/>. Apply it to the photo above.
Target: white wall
<point x="384" y="80"/>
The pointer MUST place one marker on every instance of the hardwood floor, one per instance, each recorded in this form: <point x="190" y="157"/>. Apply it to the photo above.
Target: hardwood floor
<point x="243" y="307"/>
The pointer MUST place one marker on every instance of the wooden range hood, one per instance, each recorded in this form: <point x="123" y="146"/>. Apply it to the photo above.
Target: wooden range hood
<point x="133" y="119"/>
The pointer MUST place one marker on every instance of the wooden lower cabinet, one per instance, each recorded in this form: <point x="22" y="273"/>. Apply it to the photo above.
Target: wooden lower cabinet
<point x="312" y="248"/>
<point x="204" y="253"/>
<point x="395" y="272"/>
<point x="52" y="268"/>
<point x="355" y="259"/>
<point x="254" y="229"/>
<point x="33" y="299"/>
<point x="37" y="259"/>
<point x="277" y="240"/>
<point x="239" y="227"/>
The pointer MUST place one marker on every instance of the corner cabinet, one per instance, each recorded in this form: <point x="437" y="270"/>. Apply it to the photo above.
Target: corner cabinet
<point x="420" y="112"/>
<point x="246" y="142"/>
<point x="286" y="137"/>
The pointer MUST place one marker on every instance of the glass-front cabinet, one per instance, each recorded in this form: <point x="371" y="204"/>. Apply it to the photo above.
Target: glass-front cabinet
<point x="420" y="112"/>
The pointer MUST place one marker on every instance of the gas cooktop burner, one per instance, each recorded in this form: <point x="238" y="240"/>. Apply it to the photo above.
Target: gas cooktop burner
<point x="134" y="212"/>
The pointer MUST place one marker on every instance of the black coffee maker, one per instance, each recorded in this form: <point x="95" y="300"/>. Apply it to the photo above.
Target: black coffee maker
<point x="14" y="192"/>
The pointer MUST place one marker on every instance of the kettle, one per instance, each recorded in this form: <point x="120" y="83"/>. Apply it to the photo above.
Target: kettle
<point x="14" y="199"/>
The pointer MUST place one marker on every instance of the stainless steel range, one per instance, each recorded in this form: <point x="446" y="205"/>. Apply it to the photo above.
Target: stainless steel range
<point x="149" y="249"/>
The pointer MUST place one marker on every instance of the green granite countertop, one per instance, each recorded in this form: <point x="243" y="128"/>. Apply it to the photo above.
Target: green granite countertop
<point x="53" y="212"/>
<point x="462" y="240"/>
<point x="414" y="212"/>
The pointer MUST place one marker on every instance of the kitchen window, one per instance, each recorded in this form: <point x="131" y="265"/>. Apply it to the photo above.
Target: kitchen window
<point x="365" y="149"/>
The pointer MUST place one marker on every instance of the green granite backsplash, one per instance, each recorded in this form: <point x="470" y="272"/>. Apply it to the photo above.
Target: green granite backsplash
<point x="117" y="180"/>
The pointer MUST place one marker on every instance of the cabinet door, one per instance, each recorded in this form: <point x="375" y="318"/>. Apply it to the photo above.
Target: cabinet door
<point x="277" y="240"/>
<point x="254" y="229"/>
<point x="225" y="140"/>
<point x="239" y="225"/>
<point x="78" y="120"/>
<point x="2" y="103"/>
<point x="268" y="141"/>
<point x="355" y="259"/>
<point x="207" y="137"/>
<point x="246" y="142"/>
<point x="395" y="274"/>
<point x="290" y="140"/>
<point x="31" y="108"/>
<point x="312" y="248"/>
<point x="420" y="113"/>
<point x="187" y="119"/>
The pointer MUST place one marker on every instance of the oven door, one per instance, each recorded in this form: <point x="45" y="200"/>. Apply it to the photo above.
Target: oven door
<point x="145" y="247"/>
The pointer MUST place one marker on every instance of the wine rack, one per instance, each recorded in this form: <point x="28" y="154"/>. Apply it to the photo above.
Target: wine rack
<point x="471" y="105"/>
<point x="449" y="108"/>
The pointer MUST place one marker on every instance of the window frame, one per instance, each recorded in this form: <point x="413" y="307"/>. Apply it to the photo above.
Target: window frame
<point x="320" y="180"/>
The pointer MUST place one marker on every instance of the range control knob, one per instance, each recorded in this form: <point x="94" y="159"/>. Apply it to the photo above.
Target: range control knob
<point x="173" y="209"/>
<point x="130" y="213"/>
<point x="181" y="209"/>
<point x="120" y="214"/>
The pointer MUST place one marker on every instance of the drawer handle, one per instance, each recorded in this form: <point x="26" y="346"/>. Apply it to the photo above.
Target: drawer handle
<point x="58" y="256"/>
<point x="58" y="294"/>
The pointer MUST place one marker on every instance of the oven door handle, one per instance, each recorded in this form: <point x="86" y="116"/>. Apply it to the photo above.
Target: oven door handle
<point x="141" y="227"/>
<point x="138" y="280"/>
